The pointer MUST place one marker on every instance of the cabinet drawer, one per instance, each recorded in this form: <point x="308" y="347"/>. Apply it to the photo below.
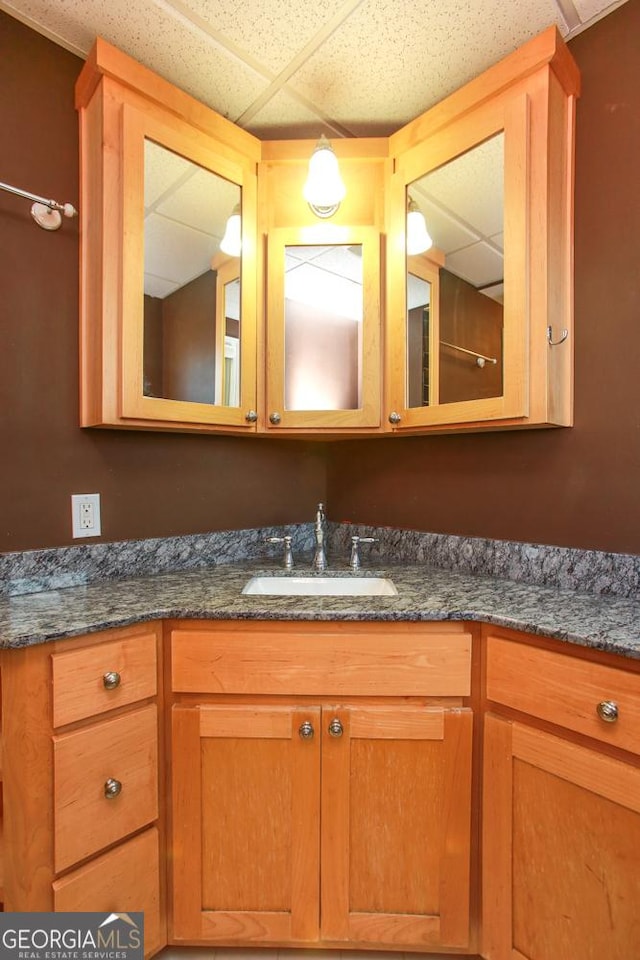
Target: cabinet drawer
<point x="323" y="660"/>
<point x="122" y="749"/>
<point x="94" y="679"/>
<point x="124" y="880"/>
<point x="565" y="690"/>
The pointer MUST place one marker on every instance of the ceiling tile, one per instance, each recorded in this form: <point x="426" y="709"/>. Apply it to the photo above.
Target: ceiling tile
<point x="204" y="202"/>
<point x="286" y="118"/>
<point x="271" y="31"/>
<point x="392" y="59"/>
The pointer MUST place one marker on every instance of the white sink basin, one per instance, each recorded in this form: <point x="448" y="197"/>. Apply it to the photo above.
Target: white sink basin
<point x="320" y="587"/>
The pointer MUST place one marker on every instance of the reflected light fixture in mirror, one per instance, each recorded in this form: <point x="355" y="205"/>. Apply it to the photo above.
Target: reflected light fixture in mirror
<point x="324" y="189"/>
<point x="418" y="239"/>
<point x="231" y="243"/>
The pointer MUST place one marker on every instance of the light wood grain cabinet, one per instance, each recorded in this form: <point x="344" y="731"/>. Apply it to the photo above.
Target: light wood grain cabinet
<point x="561" y="837"/>
<point x="81" y="786"/>
<point x="331" y="821"/>
<point x="317" y="328"/>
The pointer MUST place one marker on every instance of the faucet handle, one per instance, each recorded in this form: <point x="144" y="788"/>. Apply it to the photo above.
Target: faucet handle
<point x="354" y="562"/>
<point x="288" y="553"/>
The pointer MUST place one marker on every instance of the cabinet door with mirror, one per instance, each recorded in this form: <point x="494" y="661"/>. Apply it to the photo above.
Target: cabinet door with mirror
<point x="491" y="177"/>
<point x="172" y="316"/>
<point x="323" y="328"/>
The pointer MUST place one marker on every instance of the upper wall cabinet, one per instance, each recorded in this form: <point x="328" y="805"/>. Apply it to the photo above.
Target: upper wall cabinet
<point x="339" y="326"/>
<point x="168" y="316"/>
<point x="491" y="170"/>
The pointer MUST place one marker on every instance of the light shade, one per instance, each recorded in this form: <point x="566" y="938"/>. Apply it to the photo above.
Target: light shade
<point x="324" y="189"/>
<point x="418" y="239"/>
<point x="231" y="243"/>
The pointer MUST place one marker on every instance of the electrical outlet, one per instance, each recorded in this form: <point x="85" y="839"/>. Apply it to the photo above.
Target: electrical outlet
<point x="85" y="514"/>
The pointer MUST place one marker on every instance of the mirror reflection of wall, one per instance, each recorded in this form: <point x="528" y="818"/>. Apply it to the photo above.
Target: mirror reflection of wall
<point x="418" y="328"/>
<point x="463" y="205"/>
<point x="323" y="327"/>
<point x="186" y="208"/>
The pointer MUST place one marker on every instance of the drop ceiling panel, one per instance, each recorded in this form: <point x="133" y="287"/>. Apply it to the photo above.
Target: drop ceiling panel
<point x="271" y="31"/>
<point x="446" y="232"/>
<point x="162" y="171"/>
<point x="284" y="117"/>
<point x="392" y="59"/>
<point x="588" y="9"/>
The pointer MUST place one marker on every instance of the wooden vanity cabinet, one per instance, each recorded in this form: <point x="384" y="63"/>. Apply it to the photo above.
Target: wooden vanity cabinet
<point x="321" y="784"/>
<point x="82" y="806"/>
<point x="561" y="820"/>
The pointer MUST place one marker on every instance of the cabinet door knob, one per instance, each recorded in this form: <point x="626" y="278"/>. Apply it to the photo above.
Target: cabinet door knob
<point x="607" y="710"/>
<point x="394" y="417"/>
<point x="112" y="788"/>
<point x="111" y="680"/>
<point x="251" y="416"/>
<point x="306" y="730"/>
<point x="275" y="418"/>
<point x="336" y="728"/>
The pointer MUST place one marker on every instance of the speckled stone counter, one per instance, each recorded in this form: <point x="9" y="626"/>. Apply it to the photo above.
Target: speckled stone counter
<point x="424" y="593"/>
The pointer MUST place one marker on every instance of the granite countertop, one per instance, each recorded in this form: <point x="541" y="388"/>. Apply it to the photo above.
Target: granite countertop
<point x="424" y="593"/>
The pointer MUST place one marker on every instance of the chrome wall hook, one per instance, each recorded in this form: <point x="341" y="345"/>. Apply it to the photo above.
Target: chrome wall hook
<point x="555" y="343"/>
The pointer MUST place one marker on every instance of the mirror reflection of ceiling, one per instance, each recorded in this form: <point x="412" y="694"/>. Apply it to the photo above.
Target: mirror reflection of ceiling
<point x="185" y="211"/>
<point x="463" y="206"/>
<point x="328" y="278"/>
<point x="287" y="70"/>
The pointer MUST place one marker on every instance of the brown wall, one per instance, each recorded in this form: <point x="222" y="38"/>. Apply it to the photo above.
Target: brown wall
<point x="151" y="484"/>
<point x="574" y="487"/>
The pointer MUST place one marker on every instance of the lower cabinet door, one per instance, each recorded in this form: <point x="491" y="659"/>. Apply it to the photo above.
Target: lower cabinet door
<point x="396" y="811"/>
<point x="246" y="789"/>
<point x="561" y="849"/>
<point x="124" y="880"/>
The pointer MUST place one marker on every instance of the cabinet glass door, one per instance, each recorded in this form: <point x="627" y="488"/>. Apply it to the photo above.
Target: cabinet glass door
<point x="188" y="317"/>
<point x="323" y="328"/>
<point x="461" y="357"/>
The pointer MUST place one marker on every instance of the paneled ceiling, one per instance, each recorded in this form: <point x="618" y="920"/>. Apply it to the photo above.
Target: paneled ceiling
<point x="296" y="68"/>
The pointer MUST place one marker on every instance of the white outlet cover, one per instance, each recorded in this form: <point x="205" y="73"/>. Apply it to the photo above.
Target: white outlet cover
<point x="78" y="501"/>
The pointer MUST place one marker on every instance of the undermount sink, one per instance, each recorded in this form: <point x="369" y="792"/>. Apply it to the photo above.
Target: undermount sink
<point x="320" y="587"/>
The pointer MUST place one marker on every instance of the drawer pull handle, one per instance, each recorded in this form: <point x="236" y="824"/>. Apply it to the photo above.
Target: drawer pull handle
<point x="112" y="788"/>
<point x="111" y="680"/>
<point x="607" y="710"/>
<point x="306" y="730"/>
<point x="335" y="728"/>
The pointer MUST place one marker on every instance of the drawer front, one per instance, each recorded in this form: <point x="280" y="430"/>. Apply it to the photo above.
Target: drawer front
<point x="90" y="681"/>
<point x="123" y="749"/>
<point x="124" y="880"/>
<point x="423" y="661"/>
<point x="565" y="690"/>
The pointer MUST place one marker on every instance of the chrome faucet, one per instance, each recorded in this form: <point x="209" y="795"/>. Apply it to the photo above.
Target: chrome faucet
<point x="320" y="555"/>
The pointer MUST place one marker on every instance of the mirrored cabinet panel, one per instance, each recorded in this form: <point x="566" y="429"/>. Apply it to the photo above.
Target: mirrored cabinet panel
<point x="323" y="329"/>
<point x="168" y="335"/>
<point x="489" y="171"/>
<point x="186" y="209"/>
<point x="434" y="295"/>
<point x="462" y="203"/>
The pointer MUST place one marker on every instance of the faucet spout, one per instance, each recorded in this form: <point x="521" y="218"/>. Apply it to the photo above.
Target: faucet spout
<point x="320" y="554"/>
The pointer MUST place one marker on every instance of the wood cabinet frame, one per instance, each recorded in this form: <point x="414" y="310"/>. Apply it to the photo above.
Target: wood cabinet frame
<point x="121" y="103"/>
<point x="530" y="96"/>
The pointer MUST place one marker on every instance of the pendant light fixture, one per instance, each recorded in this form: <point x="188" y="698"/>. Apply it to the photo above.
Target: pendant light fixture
<point x="324" y="189"/>
<point x="418" y="239"/>
<point x="231" y="243"/>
